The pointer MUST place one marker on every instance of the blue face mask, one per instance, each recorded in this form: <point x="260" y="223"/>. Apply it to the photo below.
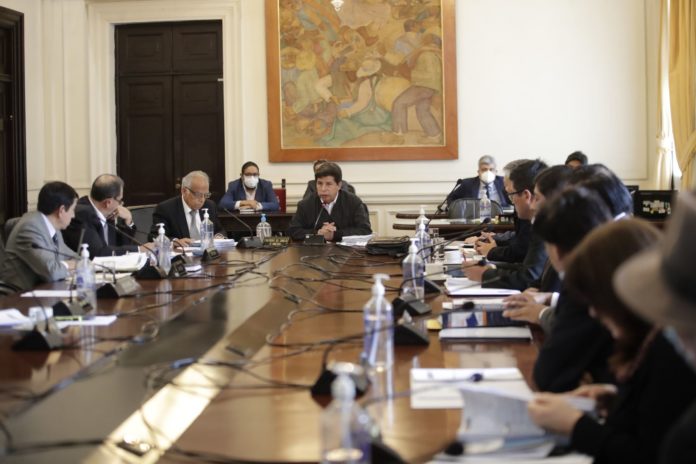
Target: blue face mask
<point x="673" y="337"/>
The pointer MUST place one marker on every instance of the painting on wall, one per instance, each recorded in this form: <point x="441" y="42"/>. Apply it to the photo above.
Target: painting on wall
<point x="371" y="80"/>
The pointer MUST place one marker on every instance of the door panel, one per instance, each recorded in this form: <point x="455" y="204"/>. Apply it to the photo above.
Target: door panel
<point x="198" y="139"/>
<point x="145" y="139"/>
<point x="170" y="110"/>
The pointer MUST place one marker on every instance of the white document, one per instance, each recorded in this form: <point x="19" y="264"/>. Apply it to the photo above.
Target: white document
<point x="130" y="262"/>
<point x="439" y="388"/>
<point x="218" y="243"/>
<point x="12" y="317"/>
<point x="461" y="286"/>
<point x="49" y="294"/>
<point x="480" y="304"/>
<point x="356" y="240"/>
<point x="486" y="333"/>
<point x="96" y="321"/>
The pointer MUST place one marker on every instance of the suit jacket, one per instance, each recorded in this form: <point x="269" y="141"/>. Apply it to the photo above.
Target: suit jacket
<point x="514" y="249"/>
<point x="577" y="343"/>
<point x="519" y="276"/>
<point x="264" y="194"/>
<point x="470" y="188"/>
<point x="171" y="213"/>
<point x="349" y="214"/>
<point x="647" y="405"/>
<point x="86" y="218"/>
<point x="26" y="267"/>
<point x="312" y="188"/>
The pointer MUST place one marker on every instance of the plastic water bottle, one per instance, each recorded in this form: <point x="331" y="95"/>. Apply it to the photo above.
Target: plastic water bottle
<point x="413" y="268"/>
<point x="345" y="426"/>
<point x="378" y="344"/>
<point x="424" y="243"/>
<point x="263" y="228"/>
<point x="163" y="250"/>
<point x="484" y="208"/>
<point x="422" y="219"/>
<point x="207" y="231"/>
<point x="85" y="279"/>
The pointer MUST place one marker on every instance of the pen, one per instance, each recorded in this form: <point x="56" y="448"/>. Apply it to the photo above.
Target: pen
<point x="68" y="318"/>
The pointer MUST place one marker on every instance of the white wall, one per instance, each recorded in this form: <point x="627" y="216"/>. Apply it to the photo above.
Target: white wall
<point x="535" y="78"/>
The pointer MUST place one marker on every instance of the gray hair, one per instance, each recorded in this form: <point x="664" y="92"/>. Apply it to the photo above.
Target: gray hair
<point x="512" y="165"/>
<point x="186" y="181"/>
<point x="487" y="159"/>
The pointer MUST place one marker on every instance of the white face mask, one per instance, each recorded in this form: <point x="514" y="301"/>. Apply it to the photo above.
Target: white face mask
<point x="251" y="181"/>
<point x="487" y="177"/>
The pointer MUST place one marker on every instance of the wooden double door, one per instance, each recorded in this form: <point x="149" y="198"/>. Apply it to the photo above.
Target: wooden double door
<point x="169" y="107"/>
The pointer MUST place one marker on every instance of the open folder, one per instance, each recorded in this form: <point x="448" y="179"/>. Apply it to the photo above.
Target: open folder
<point x="130" y="262"/>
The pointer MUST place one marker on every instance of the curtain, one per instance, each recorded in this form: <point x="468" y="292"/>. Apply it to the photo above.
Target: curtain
<point x="682" y="85"/>
<point x="665" y="138"/>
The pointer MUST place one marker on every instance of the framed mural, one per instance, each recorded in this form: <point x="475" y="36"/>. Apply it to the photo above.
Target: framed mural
<point x="373" y="80"/>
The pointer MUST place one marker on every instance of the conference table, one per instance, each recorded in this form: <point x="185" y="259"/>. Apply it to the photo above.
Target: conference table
<point x="449" y="226"/>
<point x="216" y="366"/>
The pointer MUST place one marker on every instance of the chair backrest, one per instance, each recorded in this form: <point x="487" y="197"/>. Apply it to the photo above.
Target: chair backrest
<point x="464" y="208"/>
<point x="9" y="225"/>
<point x="280" y="193"/>
<point x="142" y="217"/>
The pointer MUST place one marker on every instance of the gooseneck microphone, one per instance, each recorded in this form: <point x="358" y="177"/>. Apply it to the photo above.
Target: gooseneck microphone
<point x="246" y="242"/>
<point x="456" y="186"/>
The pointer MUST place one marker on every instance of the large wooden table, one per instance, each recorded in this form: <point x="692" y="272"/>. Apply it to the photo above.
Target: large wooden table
<point x="107" y="388"/>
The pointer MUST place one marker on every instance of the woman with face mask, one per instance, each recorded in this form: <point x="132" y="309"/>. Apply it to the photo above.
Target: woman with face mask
<point x="249" y="192"/>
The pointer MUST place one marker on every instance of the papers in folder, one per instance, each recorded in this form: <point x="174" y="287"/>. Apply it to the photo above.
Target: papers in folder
<point x="461" y="286"/>
<point x="130" y="262"/>
<point x="485" y="334"/>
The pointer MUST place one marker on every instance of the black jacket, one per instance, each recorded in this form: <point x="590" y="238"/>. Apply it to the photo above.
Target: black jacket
<point x="679" y="446"/>
<point x="577" y="343"/>
<point x="519" y="276"/>
<point x="349" y="215"/>
<point x="515" y="248"/>
<point x="86" y="218"/>
<point x="471" y="187"/>
<point x="171" y="213"/>
<point x="648" y="404"/>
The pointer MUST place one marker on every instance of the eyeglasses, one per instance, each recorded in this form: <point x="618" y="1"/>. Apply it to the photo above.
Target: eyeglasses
<point x="510" y="194"/>
<point x="119" y="201"/>
<point x="199" y="195"/>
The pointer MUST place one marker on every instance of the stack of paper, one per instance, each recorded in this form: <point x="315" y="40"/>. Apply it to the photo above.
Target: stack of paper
<point x="356" y="240"/>
<point x="461" y="286"/>
<point x="485" y="333"/>
<point x="130" y="262"/>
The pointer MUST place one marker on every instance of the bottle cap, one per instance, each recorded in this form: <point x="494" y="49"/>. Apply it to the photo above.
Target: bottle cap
<point x="378" y="286"/>
<point x="84" y="252"/>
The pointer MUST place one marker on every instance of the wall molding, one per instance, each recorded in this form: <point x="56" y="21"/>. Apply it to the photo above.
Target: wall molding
<point x="103" y="16"/>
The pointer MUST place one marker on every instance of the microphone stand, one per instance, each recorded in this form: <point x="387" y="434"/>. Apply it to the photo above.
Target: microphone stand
<point x="148" y="271"/>
<point x="48" y="338"/>
<point x="246" y="242"/>
<point x="456" y="186"/>
<point x="117" y="289"/>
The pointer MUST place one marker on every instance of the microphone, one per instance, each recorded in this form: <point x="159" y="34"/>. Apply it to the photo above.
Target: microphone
<point x="148" y="271"/>
<point x="456" y="186"/>
<point x="314" y="238"/>
<point x="246" y="242"/>
<point x="48" y="338"/>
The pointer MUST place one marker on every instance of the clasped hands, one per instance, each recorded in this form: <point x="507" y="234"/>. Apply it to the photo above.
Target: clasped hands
<point x="327" y="230"/>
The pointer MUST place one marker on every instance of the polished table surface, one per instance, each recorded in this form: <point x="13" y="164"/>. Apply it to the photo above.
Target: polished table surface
<point x="228" y="371"/>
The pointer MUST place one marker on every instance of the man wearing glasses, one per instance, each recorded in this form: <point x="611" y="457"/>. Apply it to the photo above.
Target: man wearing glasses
<point x="182" y="215"/>
<point x="99" y="215"/>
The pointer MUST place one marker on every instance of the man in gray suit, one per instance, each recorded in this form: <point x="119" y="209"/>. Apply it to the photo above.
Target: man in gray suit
<point x="35" y="249"/>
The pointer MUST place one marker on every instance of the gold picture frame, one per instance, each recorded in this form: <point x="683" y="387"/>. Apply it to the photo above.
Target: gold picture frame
<point x="375" y="80"/>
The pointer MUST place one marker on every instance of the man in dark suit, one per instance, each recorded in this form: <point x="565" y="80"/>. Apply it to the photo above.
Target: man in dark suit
<point x="518" y="276"/>
<point x="487" y="183"/>
<point x="249" y="192"/>
<point x="182" y="215"/>
<point x="312" y="184"/>
<point x="35" y="251"/>
<point x="331" y="213"/>
<point x="99" y="215"/>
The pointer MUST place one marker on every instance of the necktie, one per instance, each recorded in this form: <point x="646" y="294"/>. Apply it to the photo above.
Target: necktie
<point x="193" y="228"/>
<point x="105" y="230"/>
<point x="488" y="191"/>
